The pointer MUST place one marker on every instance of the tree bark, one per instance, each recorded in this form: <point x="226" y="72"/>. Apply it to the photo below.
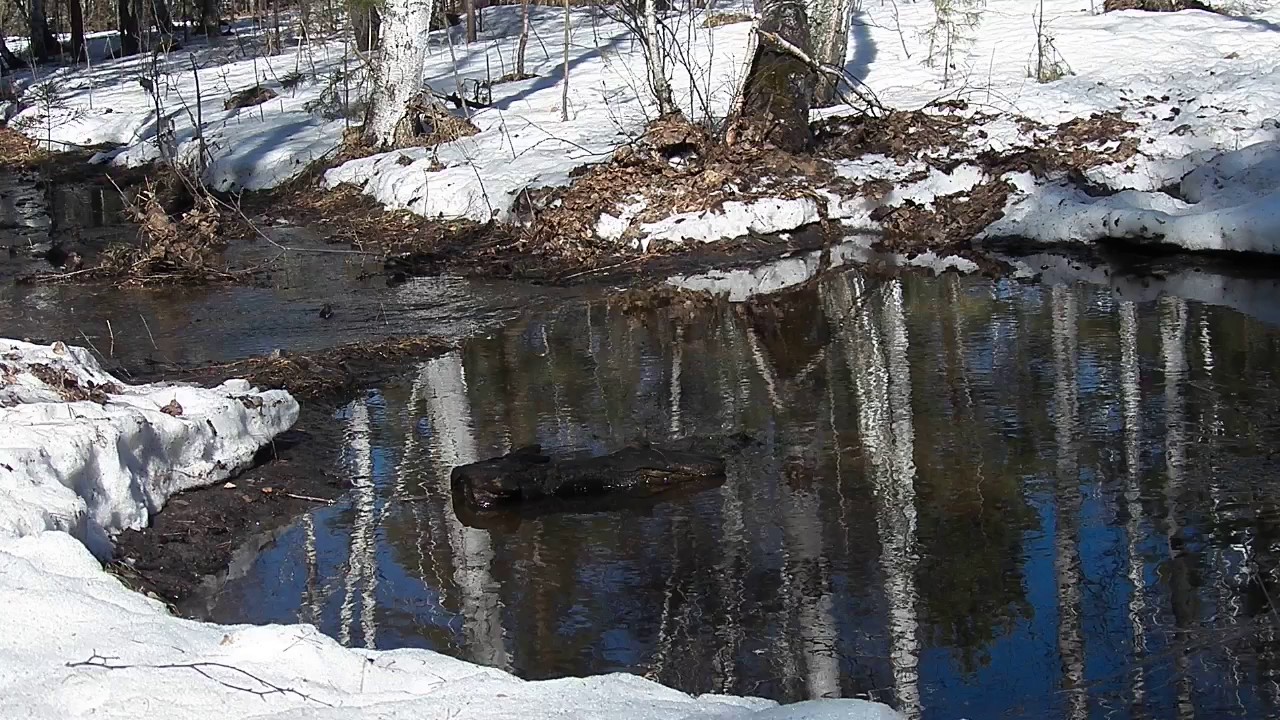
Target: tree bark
<point x="130" y="32"/>
<point x="76" y="17"/>
<point x="211" y="19"/>
<point x="524" y="37"/>
<point x="829" y="30"/>
<point x="471" y="20"/>
<point x="41" y="48"/>
<point x="656" y="52"/>
<point x="163" y="18"/>
<point x="779" y="85"/>
<point x="399" y="75"/>
<point x="367" y="26"/>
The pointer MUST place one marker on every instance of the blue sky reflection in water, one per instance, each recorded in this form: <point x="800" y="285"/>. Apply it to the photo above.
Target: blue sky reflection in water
<point x="969" y="499"/>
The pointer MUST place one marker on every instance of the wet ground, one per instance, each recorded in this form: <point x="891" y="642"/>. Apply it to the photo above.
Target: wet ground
<point x="970" y="498"/>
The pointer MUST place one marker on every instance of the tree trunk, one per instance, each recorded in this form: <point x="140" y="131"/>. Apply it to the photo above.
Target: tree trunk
<point x="163" y="18"/>
<point x="524" y="37"/>
<point x="399" y="73"/>
<point x="41" y="48"/>
<point x="211" y="19"/>
<point x="564" y="91"/>
<point x="656" y="54"/>
<point x="829" y="30"/>
<point x="779" y="85"/>
<point x="76" y="13"/>
<point x="471" y="20"/>
<point x="367" y="26"/>
<point x="130" y="33"/>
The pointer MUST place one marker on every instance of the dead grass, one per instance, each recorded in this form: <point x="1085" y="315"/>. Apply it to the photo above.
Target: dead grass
<point x="69" y="387"/>
<point x="249" y="97"/>
<point x="321" y="375"/>
<point x="715" y="20"/>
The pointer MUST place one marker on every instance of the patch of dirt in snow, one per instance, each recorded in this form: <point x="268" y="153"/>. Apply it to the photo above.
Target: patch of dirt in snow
<point x="676" y="168"/>
<point x="68" y="387"/>
<point x="949" y="225"/>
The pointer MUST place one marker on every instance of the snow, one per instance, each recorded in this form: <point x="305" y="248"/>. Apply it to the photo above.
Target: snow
<point x="741" y="284"/>
<point x="90" y="469"/>
<point x="1203" y="90"/>
<point x="73" y="472"/>
<point x="734" y="219"/>
<point x="523" y="142"/>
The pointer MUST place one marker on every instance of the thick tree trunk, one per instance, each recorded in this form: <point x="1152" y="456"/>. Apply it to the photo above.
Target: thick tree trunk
<point x="779" y="85"/>
<point x="829" y="31"/>
<point x="399" y="75"/>
<point x="367" y="26"/>
<point x="471" y="20"/>
<point x="130" y="31"/>
<point x="41" y="48"/>
<point x="211" y="19"/>
<point x="656" y="52"/>
<point x="76" y="13"/>
<point x="524" y="37"/>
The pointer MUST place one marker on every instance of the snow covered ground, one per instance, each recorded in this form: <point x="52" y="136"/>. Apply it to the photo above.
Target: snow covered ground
<point x="1195" y="85"/>
<point x="85" y="455"/>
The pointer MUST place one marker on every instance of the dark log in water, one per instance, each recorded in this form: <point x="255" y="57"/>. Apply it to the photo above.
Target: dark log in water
<point x="527" y="474"/>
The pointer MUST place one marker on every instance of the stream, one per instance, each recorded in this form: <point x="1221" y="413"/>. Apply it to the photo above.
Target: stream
<point x="967" y="498"/>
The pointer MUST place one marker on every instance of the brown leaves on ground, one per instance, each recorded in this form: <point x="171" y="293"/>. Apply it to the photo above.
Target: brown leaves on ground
<point x="900" y="134"/>
<point x="947" y="226"/>
<point x="69" y="387"/>
<point x="1154" y="5"/>
<point x="18" y="150"/>
<point x="715" y="20"/>
<point x="324" y="374"/>
<point x="675" y="167"/>
<point x="249" y="97"/>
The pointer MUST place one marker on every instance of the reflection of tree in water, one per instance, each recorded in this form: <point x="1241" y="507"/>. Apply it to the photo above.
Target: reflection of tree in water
<point x="973" y="513"/>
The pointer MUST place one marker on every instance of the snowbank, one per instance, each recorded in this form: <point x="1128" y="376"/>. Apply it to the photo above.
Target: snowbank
<point x="112" y="455"/>
<point x="1231" y="203"/>
<point x="85" y="454"/>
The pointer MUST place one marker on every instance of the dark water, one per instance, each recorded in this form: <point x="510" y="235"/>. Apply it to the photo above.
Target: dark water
<point x="970" y="500"/>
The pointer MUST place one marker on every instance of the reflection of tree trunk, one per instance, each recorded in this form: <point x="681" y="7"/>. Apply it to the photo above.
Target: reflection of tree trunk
<point x="1131" y="399"/>
<point x="311" y="602"/>
<point x="1173" y="334"/>
<point x="802" y="524"/>
<point x="450" y="413"/>
<point x="362" y="566"/>
<point x="1066" y="555"/>
<point x="882" y="383"/>
<point x="677" y="355"/>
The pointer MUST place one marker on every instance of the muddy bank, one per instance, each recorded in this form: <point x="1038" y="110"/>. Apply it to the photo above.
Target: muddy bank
<point x="197" y="531"/>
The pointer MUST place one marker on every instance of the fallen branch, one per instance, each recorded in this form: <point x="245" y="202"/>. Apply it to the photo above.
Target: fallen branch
<point x="106" y="662"/>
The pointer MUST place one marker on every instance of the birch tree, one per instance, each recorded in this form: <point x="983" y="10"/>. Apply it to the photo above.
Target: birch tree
<point x="829" y="31"/>
<point x="656" y="55"/>
<point x="399" y="73"/>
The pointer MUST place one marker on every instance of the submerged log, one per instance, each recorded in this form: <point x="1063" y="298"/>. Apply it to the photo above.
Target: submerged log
<point x="527" y="475"/>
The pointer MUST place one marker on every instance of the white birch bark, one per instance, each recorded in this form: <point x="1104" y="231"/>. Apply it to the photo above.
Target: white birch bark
<point x="405" y="24"/>
<point x="450" y="414"/>
<point x="829" y="22"/>
<point x="656" y="56"/>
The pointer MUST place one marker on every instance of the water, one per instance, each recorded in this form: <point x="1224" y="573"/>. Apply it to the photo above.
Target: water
<point x="992" y="500"/>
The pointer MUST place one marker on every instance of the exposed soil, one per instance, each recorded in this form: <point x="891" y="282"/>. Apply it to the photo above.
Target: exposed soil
<point x="196" y="533"/>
